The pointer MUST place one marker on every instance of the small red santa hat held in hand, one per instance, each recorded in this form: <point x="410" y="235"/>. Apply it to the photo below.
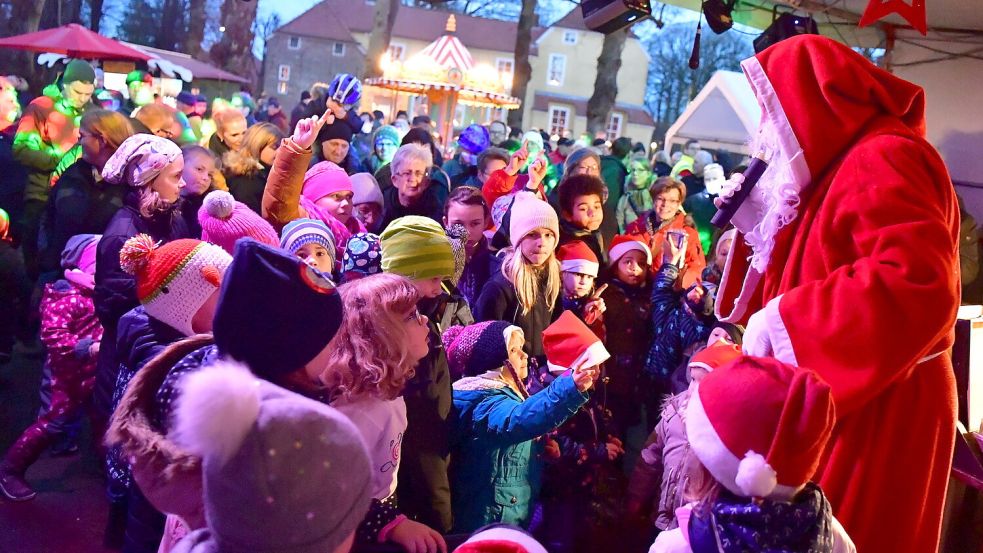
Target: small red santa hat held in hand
<point x="576" y="257"/>
<point x="570" y="345"/>
<point x="760" y="426"/>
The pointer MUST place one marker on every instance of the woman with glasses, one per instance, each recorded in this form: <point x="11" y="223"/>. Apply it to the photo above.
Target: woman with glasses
<point x="668" y="217"/>
<point x="82" y="202"/>
<point x="636" y="201"/>
<point x="411" y="193"/>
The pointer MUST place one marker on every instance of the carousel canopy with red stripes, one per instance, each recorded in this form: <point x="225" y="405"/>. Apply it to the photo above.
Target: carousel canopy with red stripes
<point x="448" y="50"/>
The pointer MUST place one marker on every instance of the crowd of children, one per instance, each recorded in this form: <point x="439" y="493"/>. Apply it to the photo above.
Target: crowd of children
<point x="307" y="362"/>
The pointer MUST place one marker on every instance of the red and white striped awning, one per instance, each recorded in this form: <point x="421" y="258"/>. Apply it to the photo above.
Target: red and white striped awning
<point x="448" y="50"/>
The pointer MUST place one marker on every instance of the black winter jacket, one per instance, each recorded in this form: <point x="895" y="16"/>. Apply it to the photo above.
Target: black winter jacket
<point x="498" y="302"/>
<point x="116" y="290"/>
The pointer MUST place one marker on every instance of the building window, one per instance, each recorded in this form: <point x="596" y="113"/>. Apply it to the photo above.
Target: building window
<point x="284" y="72"/>
<point x="338" y="50"/>
<point x="397" y="51"/>
<point x="569" y="37"/>
<point x="616" y="123"/>
<point x="282" y="87"/>
<point x="559" y="120"/>
<point x="369" y="2"/>
<point x="557" y="69"/>
<point x="506" y="69"/>
<point x="294" y="43"/>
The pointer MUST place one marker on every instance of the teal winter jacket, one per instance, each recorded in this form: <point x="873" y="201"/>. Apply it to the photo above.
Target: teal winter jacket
<point x="496" y="465"/>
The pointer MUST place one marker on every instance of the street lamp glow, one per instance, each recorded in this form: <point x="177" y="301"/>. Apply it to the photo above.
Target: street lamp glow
<point x="221" y="29"/>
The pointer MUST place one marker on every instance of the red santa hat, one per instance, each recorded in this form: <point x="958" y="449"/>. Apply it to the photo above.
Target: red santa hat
<point x="576" y="257"/>
<point x="714" y="357"/>
<point x="569" y="345"/>
<point x="760" y="426"/>
<point x="624" y="243"/>
<point x="501" y="539"/>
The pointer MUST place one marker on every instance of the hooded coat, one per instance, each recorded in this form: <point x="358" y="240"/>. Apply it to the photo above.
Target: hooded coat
<point x="873" y="244"/>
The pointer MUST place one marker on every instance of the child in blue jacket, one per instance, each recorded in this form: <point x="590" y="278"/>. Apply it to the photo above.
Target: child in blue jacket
<point x="496" y="462"/>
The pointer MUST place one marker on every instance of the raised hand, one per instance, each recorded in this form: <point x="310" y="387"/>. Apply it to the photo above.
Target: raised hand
<point x="518" y="160"/>
<point x="537" y="172"/>
<point x="307" y="129"/>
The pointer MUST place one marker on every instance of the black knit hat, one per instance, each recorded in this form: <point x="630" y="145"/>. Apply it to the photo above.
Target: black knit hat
<point x="275" y="313"/>
<point x="476" y="349"/>
<point x="339" y="129"/>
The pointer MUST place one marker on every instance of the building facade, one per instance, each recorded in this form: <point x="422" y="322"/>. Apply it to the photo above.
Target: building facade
<point x="332" y="37"/>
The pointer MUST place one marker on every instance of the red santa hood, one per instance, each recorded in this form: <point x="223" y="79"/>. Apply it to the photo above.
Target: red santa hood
<point x="821" y="96"/>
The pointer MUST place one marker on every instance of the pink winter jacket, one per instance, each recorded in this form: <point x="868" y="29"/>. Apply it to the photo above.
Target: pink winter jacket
<point x="69" y="327"/>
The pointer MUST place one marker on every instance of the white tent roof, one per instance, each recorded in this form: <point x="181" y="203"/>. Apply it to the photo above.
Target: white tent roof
<point x="723" y="115"/>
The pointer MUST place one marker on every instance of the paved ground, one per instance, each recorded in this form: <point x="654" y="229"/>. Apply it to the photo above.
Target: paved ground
<point x="69" y="513"/>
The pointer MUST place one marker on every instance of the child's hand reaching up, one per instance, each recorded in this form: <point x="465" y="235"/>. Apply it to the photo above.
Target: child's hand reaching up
<point x="518" y="160"/>
<point x="584" y="378"/>
<point x="307" y="129"/>
<point x="615" y="448"/>
<point x="417" y="538"/>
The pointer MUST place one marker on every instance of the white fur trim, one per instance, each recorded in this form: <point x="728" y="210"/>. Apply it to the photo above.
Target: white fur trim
<point x="755" y="477"/>
<point x="491" y="380"/>
<point x="712" y="452"/>
<point x="217" y="408"/>
<point x="621" y="249"/>
<point x="781" y="343"/>
<point x="582" y="266"/>
<point x="509" y="535"/>
<point x="771" y="107"/>
<point x="841" y="540"/>
<point x="595" y="354"/>
<point x="750" y="284"/>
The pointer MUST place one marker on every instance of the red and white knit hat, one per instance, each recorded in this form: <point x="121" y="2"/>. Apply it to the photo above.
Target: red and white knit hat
<point x="760" y="426"/>
<point x="714" y="357"/>
<point x="501" y="539"/>
<point x="576" y="257"/>
<point x="176" y="279"/>
<point x="624" y="243"/>
<point x="569" y="345"/>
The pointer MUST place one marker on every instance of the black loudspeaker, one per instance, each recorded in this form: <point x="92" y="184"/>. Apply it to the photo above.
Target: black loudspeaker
<point x="607" y="16"/>
<point x="785" y="26"/>
<point x="718" y="14"/>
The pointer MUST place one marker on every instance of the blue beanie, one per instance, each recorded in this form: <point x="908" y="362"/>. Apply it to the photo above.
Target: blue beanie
<point x="474" y="139"/>
<point x="275" y="313"/>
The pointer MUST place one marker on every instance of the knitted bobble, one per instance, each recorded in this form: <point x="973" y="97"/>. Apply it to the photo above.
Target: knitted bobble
<point x="219" y="204"/>
<point x="135" y="253"/>
<point x="450" y="335"/>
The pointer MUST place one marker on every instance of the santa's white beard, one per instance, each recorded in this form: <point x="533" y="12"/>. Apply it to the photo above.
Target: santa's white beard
<point x="775" y="197"/>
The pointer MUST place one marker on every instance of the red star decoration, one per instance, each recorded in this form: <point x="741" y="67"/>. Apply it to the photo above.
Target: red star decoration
<point x="913" y="13"/>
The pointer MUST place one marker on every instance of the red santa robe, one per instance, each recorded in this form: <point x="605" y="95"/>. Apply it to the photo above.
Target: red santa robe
<point x="861" y="285"/>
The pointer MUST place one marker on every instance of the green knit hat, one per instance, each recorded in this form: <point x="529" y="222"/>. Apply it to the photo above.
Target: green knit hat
<point x="416" y="248"/>
<point x="78" y="70"/>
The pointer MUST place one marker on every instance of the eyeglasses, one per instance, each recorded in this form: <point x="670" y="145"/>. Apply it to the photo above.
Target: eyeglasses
<point x="415" y="175"/>
<point x="661" y="200"/>
<point x="416" y="315"/>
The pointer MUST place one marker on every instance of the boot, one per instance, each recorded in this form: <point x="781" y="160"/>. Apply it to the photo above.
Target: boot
<point x="13" y="485"/>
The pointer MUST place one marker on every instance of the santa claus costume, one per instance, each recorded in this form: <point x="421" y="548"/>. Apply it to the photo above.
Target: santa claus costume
<point x="847" y="263"/>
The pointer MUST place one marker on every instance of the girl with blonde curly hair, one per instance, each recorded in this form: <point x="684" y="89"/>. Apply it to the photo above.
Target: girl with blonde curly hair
<point x="382" y="338"/>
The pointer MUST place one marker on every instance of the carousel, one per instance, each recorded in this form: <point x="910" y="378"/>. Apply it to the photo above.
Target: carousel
<point x="446" y="74"/>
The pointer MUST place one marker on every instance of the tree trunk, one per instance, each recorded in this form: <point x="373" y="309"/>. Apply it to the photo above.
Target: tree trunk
<point x="95" y="14"/>
<point x="522" y="70"/>
<point x="73" y="11"/>
<point x="382" y="31"/>
<point x="606" y="83"/>
<point x="234" y="52"/>
<point x="32" y="22"/>
<point x="196" y="28"/>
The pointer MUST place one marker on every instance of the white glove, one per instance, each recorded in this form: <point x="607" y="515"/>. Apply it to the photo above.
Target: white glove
<point x="757" y="341"/>
<point x="753" y="208"/>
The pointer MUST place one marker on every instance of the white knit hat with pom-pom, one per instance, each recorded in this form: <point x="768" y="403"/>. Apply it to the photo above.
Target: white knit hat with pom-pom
<point x="174" y="280"/>
<point x="270" y="457"/>
<point x="224" y="220"/>
<point x="760" y="426"/>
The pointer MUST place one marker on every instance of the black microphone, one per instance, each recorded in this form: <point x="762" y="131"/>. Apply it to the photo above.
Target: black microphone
<point x="694" y="58"/>
<point x="729" y="206"/>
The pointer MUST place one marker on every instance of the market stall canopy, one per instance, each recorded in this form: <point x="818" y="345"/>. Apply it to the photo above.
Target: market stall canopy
<point x="183" y="66"/>
<point x="723" y="115"/>
<point x="74" y="41"/>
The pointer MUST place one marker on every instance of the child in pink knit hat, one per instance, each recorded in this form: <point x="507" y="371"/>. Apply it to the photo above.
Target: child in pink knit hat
<point x="224" y="220"/>
<point x="330" y="188"/>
